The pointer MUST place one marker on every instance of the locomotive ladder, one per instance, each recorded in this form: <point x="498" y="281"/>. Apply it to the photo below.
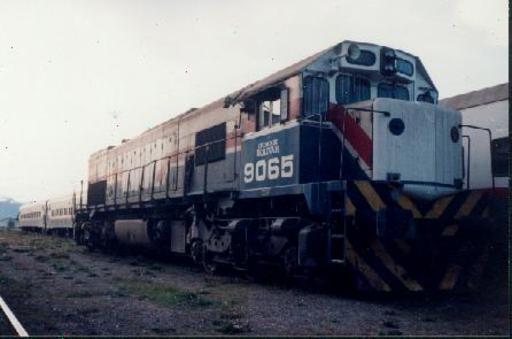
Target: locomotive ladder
<point x="336" y="238"/>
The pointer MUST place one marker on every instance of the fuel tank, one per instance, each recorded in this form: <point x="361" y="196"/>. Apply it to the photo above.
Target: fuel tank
<point x="132" y="232"/>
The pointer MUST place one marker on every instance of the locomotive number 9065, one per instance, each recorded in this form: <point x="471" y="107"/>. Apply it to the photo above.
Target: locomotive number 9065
<point x="269" y="169"/>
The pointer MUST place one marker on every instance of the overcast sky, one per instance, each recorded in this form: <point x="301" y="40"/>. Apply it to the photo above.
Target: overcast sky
<point x="76" y="76"/>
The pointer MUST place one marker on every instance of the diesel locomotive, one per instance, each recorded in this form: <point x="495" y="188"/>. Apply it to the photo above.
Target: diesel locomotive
<point x="342" y="161"/>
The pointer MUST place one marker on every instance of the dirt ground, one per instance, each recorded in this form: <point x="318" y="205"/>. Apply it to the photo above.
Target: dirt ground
<point x="55" y="287"/>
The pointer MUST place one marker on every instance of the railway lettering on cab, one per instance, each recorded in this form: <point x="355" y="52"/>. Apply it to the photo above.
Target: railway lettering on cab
<point x="267" y="148"/>
<point x="341" y="162"/>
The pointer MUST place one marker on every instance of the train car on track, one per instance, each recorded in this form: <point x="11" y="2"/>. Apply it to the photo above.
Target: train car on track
<point x="32" y="217"/>
<point x="53" y="216"/>
<point x="60" y="215"/>
<point x="342" y="161"/>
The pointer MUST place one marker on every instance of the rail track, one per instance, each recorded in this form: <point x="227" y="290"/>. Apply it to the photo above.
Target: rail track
<point x="13" y="321"/>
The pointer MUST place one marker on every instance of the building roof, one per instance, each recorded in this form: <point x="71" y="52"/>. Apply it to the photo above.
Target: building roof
<point x="477" y="98"/>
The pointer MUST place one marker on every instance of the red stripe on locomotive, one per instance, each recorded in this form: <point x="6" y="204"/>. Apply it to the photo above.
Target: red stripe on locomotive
<point x="355" y="135"/>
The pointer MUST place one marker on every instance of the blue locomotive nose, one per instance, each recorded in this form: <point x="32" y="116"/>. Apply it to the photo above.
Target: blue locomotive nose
<point x="419" y="145"/>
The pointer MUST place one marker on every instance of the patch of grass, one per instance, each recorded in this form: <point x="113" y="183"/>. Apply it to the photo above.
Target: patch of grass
<point x="165" y="295"/>
<point x="3" y="248"/>
<point x="48" y="243"/>
<point x="42" y="258"/>
<point x="89" y="310"/>
<point x="3" y="279"/>
<point x="162" y="331"/>
<point x="390" y="333"/>
<point x="80" y="294"/>
<point x="84" y="269"/>
<point x="390" y="324"/>
<point x="16" y="289"/>
<point x="116" y="294"/>
<point x="23" y="249"/>
<point x="231" y="316"/>
<point x="155" y="267"/>
<point x="231" y="327"/>
<point x="59" y="255"/>
<point x="143" y="272"/>
<point x="60" y="267"/>
<point x="5" y="257"/>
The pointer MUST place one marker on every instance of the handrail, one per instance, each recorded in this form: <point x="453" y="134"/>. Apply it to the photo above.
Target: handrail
<point x="469" y="160"/>
<point x="385" y="113"/>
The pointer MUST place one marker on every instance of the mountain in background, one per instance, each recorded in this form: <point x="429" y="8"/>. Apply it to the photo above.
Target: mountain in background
<point x="8" y="208"/>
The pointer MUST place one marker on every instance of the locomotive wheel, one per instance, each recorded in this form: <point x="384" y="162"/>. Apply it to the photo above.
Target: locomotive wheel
<point x="290" y="260"/>
<point x="209" y="266"/>
<point x="196" y="251"/>
<point x="88" y="240"/>
<point x="77" y="236"/>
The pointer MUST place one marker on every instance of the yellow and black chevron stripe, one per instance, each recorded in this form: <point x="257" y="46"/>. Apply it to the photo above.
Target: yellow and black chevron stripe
<point x="376" y="268"/>
<point x="371" y="197"/>
<point x="398" y="266"/>
<point x="415" y="264"/>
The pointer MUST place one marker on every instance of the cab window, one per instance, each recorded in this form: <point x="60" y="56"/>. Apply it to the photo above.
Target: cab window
<point x="351" y="89"/>
<point x="316" y="96"/>
<point x="272" y="107"/>
<point x="404" y="67"/>
<point x="386" y="90"/>
<point x="269" y="113"/>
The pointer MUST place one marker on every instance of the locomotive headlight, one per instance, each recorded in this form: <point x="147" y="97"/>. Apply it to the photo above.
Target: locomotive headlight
<point x="353" y="52"/>
<point x="455" y="134"/>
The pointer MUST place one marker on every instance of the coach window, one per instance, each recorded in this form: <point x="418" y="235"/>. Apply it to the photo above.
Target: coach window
<point x="316" y="96"/>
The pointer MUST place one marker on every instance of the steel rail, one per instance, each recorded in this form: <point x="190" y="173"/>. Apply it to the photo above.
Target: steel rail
<point x="12" y="319"/>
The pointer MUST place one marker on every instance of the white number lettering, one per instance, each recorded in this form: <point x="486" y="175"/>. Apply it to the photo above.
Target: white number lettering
<point x="261" y="169"/>
<point x="273" y="168"/>
<point x="287" y="166"/>
<point x="249" y="172"/>
<point x="270" y="169"/>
